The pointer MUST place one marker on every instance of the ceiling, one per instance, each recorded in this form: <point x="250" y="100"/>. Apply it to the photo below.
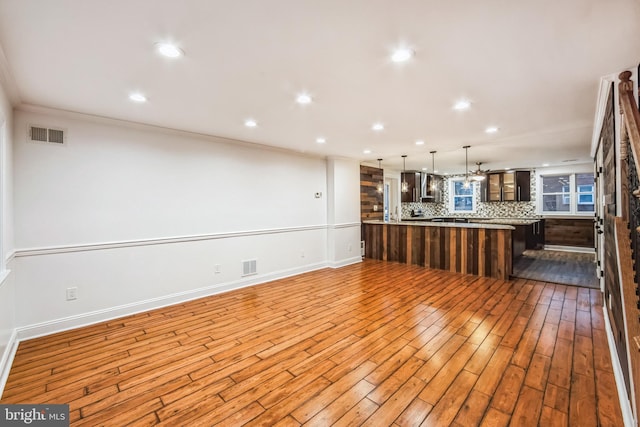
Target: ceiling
<point x="531" y="68"/>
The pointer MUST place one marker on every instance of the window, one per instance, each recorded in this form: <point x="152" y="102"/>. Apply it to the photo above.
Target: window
<point x="585" y="188"/>
<point x="568" y="194"/>
<point x="462" y="198"/>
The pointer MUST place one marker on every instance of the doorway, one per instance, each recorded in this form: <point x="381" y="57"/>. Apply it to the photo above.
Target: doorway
<point x="391" y="209"/>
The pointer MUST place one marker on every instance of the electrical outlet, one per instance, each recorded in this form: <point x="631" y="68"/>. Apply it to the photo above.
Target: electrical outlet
<point x="349" y="248"/>
<point x="216" y="269"/>
<point x="72" y="293"/>
<point x="301" y="254"/>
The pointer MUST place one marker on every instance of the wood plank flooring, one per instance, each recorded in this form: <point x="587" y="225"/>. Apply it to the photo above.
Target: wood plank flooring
<point x="375" y="344"/>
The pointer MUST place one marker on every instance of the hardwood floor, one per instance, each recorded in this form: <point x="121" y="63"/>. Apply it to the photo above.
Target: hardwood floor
<point x="567" y="268"/>
<point x="373" y="344"/>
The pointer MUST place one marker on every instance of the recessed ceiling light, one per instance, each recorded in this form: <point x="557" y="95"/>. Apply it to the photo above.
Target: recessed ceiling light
<point x="169" y="50"/>
<point x="321" y="140"/>
<point x="366" y="151"/>
<point x="462" y="104"/>
<point x="435" y="171"/>
<point x="545" y="165"/>
<point x="424" y="169"/>
<point x="507" y="169"/>
<point x="401" y="54"/>
<point x="420" y="142"/>
<point x="377" y="127"/>
<point x="250" y="123"/>
<point x="303" y="98"/>
<point x="491" y="129"/>
<point x="137" y="97"/>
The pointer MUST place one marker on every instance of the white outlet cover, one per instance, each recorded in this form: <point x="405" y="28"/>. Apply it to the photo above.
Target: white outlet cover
<point x="72" y="294"/>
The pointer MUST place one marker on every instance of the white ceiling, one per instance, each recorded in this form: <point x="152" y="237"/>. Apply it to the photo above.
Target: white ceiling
<point x="532" y="68"/>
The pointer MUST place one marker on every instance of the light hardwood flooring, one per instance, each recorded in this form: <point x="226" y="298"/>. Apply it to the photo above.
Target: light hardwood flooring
<point x="375" y="343"/>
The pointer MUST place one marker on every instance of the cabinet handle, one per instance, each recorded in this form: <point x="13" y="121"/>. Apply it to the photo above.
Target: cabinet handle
<point x="518" y="193"/>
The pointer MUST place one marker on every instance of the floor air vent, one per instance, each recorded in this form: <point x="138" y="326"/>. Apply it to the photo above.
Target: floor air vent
<point x="43" y="134"/>
<point x="249" y="267"/>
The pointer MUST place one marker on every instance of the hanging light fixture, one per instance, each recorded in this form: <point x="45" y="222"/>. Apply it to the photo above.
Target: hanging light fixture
<point x="405" y="185"/>
<point x="433" y="168"/>
<point x="466" y="166"/>
<point x="380" y="187"/>
<point x="478" y="175"/>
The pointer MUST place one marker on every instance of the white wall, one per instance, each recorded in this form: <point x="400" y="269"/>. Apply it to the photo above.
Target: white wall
<point x="7" y="289"/>
<point x="343" y="211"/>
<point x="137" y="217"/>
<point x="112" y="183"/>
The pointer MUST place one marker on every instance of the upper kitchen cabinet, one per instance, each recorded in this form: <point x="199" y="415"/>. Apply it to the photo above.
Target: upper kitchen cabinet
<point x="413" y="183"/>
<point x="432" y="188"/>
<point x="512" y="186"/>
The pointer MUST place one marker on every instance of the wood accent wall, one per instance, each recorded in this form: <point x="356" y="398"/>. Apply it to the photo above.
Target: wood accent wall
<point x="612" y="286"/>
<point x="477" y="251"/>
<point x="569" y="232"/>
<point x="370" y="178"/>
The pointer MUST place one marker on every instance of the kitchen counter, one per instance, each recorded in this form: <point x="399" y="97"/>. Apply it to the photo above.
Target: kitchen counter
<point x="426" y="223"/>
<point x="468" y="248"/>
<point x="506" y="221"/>
<point x="478" y="220"/>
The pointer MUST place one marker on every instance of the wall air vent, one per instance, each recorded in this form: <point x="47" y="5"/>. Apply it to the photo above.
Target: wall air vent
<point x="48" y="135"/>
<point x="38" y="134"/>
<point x="249" y="267"/>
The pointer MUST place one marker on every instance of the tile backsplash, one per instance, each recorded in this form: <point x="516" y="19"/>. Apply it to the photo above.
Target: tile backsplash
<point x="483" y="210"/>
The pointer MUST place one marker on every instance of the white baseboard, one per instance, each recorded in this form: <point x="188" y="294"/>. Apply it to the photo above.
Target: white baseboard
<point x="90" y="318"/>
<point x="625" y="404"/>
<point x="570" y="249"/>
<point x="345" y="262"/>
<point x="7" y="359"/>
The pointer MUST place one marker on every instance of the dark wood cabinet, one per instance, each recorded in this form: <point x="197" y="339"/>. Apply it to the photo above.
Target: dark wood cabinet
<point x="535" y="235"/>
<point x="413" y="183"/>
<point x="422" y="187"/>
<point x="432" y="188"/>
<point x="512" y="186"/>
<point x="519" y="240"/>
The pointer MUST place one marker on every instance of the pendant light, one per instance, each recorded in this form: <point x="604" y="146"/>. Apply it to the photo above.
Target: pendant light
<point x="405" y="186"/>
<point x="466" y="166"/>
<point x="380" y="187"/>
<point x="433" y="168"/>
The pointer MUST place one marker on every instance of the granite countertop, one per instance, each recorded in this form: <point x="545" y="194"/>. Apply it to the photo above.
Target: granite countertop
<point x="445" y="224"/>
<point x="503" y="221"/>
<point x="506" y="221"/>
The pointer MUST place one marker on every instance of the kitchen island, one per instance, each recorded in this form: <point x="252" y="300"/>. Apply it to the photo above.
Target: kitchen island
<point x="468" y="248"/>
